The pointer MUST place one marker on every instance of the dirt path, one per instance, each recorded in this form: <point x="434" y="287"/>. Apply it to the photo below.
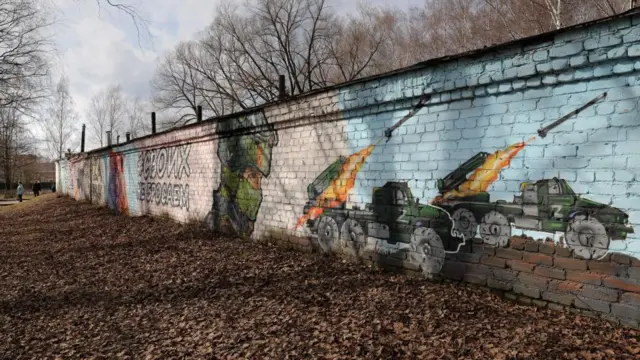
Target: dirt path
<point x="78" y="282"/>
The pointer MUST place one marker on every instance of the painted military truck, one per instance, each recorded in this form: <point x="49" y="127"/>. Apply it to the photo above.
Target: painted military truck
<point x="547" y="205"/>
<point x="394" y="224"/>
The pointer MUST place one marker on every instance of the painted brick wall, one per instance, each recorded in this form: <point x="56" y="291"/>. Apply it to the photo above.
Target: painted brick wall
<point x="249" y="174"/>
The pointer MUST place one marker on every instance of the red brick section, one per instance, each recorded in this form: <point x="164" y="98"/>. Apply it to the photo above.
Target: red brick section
<point x="542" y="270"/>
<point x="493" y="261"/>
<point x="520" y="265"/>
<point x="509" y="254"/>
<point x="570" y="264"/>
<point x="517" y="243"/>
<point x="606" y="268"/>
<point x="550" y="272"/>
<point x="584" y="277"/>
<point x="538" y="259"/>
<point x="629" y="285"/>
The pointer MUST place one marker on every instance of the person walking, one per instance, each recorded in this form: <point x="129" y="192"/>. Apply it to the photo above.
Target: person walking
<point x="37" y="188"/>
<point x="20" y="191"/>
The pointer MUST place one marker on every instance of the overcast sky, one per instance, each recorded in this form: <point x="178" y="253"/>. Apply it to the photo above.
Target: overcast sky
<point x="98" y="45"/>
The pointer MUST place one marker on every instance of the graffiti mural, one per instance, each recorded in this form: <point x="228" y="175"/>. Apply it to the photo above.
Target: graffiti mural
<point x="396" y="224"/>
<point x="157" y="168"/>
<point x="97" y="181"/>
<point x="245" y="159"/>
<point x="117" y="193"/>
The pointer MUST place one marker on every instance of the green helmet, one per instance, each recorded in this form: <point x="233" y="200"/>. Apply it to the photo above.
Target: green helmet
<point x="247" y="141"/>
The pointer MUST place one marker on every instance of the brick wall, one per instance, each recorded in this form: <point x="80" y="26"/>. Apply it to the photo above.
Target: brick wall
<point x="318" y="172"/>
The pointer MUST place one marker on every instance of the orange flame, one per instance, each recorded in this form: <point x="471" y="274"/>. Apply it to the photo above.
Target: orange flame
<point x="337" y="192"/>
<point x="487" y="174"/>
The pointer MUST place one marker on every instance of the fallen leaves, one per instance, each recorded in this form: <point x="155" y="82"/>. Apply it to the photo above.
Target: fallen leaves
<point x="78" y="282"/>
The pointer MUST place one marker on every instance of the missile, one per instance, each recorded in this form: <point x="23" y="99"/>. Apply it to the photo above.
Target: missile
<point x="423" y="100"/>
<point x="543" y="131"/>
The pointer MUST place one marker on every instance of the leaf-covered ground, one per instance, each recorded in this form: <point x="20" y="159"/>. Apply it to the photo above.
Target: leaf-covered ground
<point x="78" y="282"/>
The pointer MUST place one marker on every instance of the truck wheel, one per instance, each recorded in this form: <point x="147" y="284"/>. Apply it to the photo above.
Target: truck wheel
<point x="328" y="233"/>
<point x="495" y="229"/>
<point x="465" y="224"/>
<point x="352" y="237"/>
<point x="587" y="237"/>
<point x="427" y="251"/>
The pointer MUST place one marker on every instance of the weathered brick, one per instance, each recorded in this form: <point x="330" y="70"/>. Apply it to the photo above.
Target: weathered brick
<point x="555" y="307"/>
<point x="528" y="291"/>
<point x="524" y="300"/>
<point x="621" y="259"/>
<point x="493" y="261"/>
<point x="479" y="269"/>
<point x="563" y="252"/>
<point x="625" y="311"/>
<point x="533" y="280"/>
<point x="484" y="249"/>
<point x="565" y="286"/>
<point x="599" y="293"/>
<point x="584" y="277"/>
<point x="538" y="259"/>
<point x="606" y="268"/>
<point x="564" y="299"/>
<point x="509" y="253"/>
<point x="505" y="274"/>
<point x="511" y="296"/>
<point x="475" y="279"/>
<point x="550" y="272"/>
<point x="631" y="299"/>
<point x="498" y="284"/>
<point x="517" y="243"/>
<point x="591" y="304"/>
<point x="520" y="265"/>
<point x="469" y="257"/>
<point x="634" y="273"/>
<point x="453" y="270"/>
<point x="531" y="246"/>
<point x="570" y="264"/>
<point x="630" y="285"/>
<point x="548" y="249"/>
<point x="539" y="303"/>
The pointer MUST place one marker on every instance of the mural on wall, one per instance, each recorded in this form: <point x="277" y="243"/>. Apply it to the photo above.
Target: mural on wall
<point x="163" y="173"/>
<point x="245" y="159"/>
<point x="78" y="190"/>
<point x="396" y="224"/>
<point x="97" y="181"/>
<point x="117" y="191"/>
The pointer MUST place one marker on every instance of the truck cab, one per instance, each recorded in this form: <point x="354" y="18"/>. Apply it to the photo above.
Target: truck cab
<point x="557" y="204"/>
<point x="395" y="207"/>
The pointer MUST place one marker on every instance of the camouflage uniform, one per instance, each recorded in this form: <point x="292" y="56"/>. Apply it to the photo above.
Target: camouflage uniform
<point x="244" y="149"/>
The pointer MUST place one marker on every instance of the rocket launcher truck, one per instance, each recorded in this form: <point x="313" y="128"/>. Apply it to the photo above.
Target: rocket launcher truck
<point x="547" y="205"/>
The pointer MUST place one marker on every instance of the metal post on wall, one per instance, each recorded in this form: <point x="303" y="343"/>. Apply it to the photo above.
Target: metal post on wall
<point x="118" y="139"/>
<point x="82" y="139"/>
<point x="153" y="122"/>
<point x="108" y="138"/>
<point x="282" y="91"/>
<point x="199" y="113"/>
<point x="128" y="136"/>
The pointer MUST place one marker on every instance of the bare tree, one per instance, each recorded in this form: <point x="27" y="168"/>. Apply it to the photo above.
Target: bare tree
<point x="177" y="85"/>
<point x="15" y="142"/>
<point x="115" y="109"/>
<point x="58" y="122"/>
<point x="23" y="50"/>
<point x="97" y="118"/>
<point x="137" y="115"/>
